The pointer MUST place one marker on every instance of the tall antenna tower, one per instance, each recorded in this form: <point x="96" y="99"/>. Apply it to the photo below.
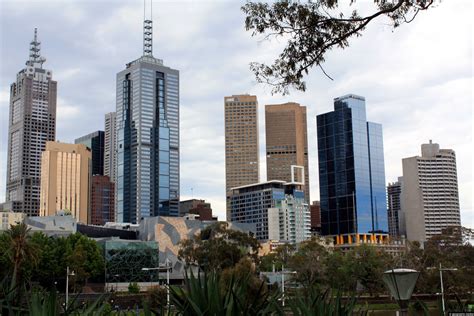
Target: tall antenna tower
<point x="147" y="30"/>
<point x="35" y="52"/>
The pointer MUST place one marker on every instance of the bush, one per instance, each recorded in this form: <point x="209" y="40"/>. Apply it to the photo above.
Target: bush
<point x="133" y="288"/>
<point x="156" y="296"/>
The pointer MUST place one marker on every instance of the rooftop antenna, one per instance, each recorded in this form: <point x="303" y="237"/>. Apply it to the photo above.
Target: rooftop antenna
<point x="35" y="59"/>
<point x="147" y="31"/>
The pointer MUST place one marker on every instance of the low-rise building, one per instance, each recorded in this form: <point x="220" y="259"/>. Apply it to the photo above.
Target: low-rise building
<point x="276" y="207"/>
<point x="10" y="218"/>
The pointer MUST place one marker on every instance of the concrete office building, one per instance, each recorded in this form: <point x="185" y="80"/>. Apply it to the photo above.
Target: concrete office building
<point x="65" y="180"/>
<point x="276" y="207"/>
<point x="286" y="142"/>
<point x="110" y="137"/>
<point x="32" y="122"/>
<point x="147" y="123"/>
<point x="351" y="170"/>
<point x="95" y="142"/>
<point x="430" y="197"/>
<point x="241" y="142"/>
<point x="102" y="200"/>
<point x="394" y="211"/>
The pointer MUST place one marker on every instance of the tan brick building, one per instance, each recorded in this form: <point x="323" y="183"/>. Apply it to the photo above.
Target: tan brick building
<point x="286" y="142"/>
<point x="65" y="180"/>
<point x="241" y="141"/>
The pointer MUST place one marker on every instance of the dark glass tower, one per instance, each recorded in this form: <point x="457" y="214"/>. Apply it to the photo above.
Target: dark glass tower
<point x="95" y="142"/>
<point x="351" y="170"/>
<point x="147" y="145"/>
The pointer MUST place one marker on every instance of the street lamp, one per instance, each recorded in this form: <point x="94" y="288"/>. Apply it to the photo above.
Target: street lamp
<point x="67" y="284"/>
<point x="283" y="283"/>
<point x="441" y="269"/>
<point x="401" y="283"/>
<point x="166" y="267"/>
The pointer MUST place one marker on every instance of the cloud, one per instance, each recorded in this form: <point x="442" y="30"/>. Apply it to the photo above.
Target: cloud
<point x="417" y="79"/>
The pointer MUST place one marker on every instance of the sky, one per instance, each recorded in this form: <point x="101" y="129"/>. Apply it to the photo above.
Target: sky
<point x="417" y="79"/>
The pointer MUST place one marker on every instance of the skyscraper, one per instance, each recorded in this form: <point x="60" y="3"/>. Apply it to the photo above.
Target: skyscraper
<point x="95" y="142"/>
<point x="351" y="170"/>
<point x="287" y="142"/>
<point x="110" y="137"/>
<point x="394" y="211"/>
<point x="32" y="122"/>
<point x="241" y="142"/>
<point x="147" y="170"/>
<point x="102" y="200"/>
<point x="430" y="197"/>
<point x="65" y="180"/>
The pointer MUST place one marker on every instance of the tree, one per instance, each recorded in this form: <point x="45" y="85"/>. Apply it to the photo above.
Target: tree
<point x="20" y="252"/>
<point x="312" y="29"/>
<point x="340" y="272"/>
<point x="217" y="247"/>
<point x="278" y="258"/>
<point x="308" y="262"/>
<point x="369" y="265"/>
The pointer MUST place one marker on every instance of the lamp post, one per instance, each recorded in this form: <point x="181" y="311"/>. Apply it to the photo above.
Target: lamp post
<point x="166" y="267"/>
<point x="401" y="283"/>
<point x="441" y="269"/>
<point x="67" y="284"/>
<point x="283" y="283"/>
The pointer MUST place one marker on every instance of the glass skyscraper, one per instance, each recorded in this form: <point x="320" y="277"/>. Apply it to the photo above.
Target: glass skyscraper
<point x="351" y="170"/>
<point x="147" y="123"/>
<point x="95" y="142"/>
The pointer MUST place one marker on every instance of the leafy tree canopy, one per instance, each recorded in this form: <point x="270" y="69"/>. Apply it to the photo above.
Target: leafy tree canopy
<point x="217" y="247"/>
<point x="312" y="29"/>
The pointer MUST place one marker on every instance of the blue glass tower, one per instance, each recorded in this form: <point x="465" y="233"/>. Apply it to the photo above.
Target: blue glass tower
<point x="147" y="124"/>
<point x="351" y="170"/>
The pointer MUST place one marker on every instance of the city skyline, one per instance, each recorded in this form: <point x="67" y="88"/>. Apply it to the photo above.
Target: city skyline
<point x="412" y="99"/>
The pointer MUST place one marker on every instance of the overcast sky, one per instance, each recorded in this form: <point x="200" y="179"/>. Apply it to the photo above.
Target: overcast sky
<point x="417" y="79"/>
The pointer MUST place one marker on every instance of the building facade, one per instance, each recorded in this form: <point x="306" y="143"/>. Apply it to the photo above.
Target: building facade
<point x="394" y="210"/>
<point x="277" y="208"/>
<point x="147" y="123"/>
<point x="65" y="180"/>
<point x="10" y="218"/>
<point x="286" y="142"/>
<point x="430" y="196"/>
<point x="110" y="137"/>
<point x="351" y="170"/>
<point x="315" y="211"/>
<point x="95" y="142"/>
<point x="32" y="122"/>
<point x="197" y="207"/>
<point x="241" y="142"/>
<point x="102" y="200"/>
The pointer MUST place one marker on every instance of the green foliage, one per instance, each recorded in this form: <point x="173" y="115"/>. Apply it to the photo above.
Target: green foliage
<point x="311" y="29"/>
<point x="278" y="258"/>
<point x="316" y="303"/>
<point x="133" y="288"/>
<point x="156" y="297"/>
<point x="216" y="248"/>
<point x="308" y="262"/>
<point x="205" y="296"/>
<point x="21" y="255"/>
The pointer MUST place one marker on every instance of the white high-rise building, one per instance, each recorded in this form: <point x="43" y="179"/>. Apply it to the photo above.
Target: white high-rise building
<point x="430" y="198"/>
<point x="110" y="138"/>
<point x="289" y="220"/>
<point x="32" y="122"/>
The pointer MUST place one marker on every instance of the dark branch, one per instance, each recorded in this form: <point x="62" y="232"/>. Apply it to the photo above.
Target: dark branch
<point x="313" y="30"/>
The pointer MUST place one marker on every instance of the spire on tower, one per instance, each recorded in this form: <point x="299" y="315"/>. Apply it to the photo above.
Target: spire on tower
<point x="35" y="59"/>
<point x="147" y="30"/>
